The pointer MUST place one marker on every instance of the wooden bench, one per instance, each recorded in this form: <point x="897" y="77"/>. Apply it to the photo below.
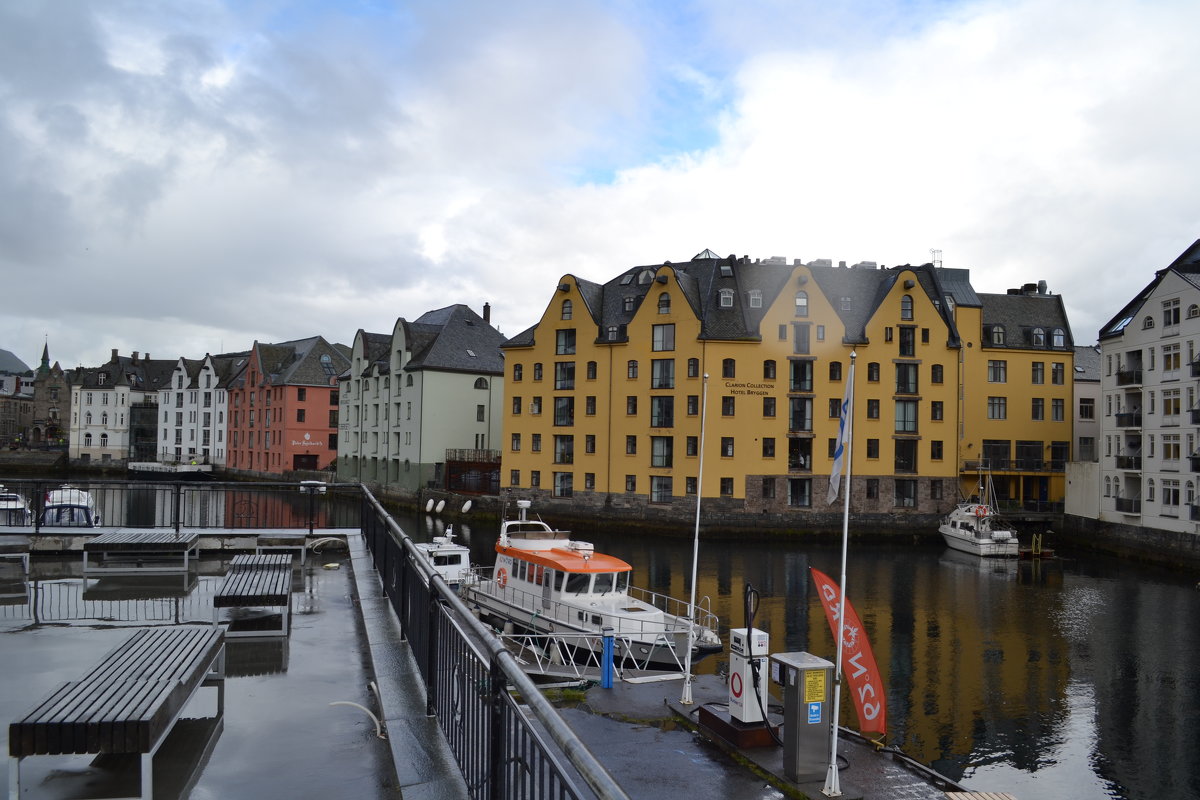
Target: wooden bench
<point x="256" y="581"/>
<point x="283" y="541"/>
<point x="138" y="552"/>
<point x="127" y="703"/>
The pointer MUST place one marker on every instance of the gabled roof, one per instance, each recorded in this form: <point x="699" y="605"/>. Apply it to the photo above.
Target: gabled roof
<point x="454" y="339"/>
<point x="1186" y="266"/>
<point x="301" y="362"/>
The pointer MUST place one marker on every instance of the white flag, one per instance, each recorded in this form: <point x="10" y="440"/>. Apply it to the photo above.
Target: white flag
<point x="845" y="418"/>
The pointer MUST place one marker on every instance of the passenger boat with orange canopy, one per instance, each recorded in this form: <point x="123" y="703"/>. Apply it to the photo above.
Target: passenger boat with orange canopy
<point x="545" y="582"/>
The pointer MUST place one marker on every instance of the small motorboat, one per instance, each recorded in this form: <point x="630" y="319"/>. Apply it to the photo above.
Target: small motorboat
<point x="449" y="559"/>
<point x="975" y="528"/>
<point x="545" y="582"/>
<point x="14" y="510"/>
<point x="69" y="507"/>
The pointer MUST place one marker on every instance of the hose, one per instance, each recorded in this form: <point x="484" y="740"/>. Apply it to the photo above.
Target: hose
<point x="750" y="607"/>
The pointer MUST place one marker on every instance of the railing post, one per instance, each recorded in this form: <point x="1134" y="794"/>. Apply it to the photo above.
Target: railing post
<point x="496" y="787"/>
<point x="177" y="502"/>
<point x="606" y="660"/>
<point x="431" y="659"/>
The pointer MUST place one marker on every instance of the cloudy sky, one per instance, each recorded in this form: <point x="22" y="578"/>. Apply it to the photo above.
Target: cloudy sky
<point x="186" y="177"/>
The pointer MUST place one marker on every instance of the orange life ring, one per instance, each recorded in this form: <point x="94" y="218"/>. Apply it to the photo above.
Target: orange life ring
<point x="502" y="577"/>
<point x="980" y="511"/>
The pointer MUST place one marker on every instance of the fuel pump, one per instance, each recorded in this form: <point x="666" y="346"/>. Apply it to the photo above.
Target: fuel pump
<point x="748" y="648"/>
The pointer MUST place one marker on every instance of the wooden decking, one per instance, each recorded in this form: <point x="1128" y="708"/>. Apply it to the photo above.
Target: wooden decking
<point x="256" y="581"/>
<point x="127" y="703"/>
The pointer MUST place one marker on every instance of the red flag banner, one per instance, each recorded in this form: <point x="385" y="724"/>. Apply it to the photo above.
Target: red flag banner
<point x="858" y="662"/>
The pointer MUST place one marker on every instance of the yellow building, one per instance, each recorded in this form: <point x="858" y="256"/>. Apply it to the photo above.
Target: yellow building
<point x="605" y="395"/>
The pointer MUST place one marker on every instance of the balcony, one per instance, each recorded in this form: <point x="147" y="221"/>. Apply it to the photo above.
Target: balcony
<point x="1194" y="461"/>
<point x="1194" y="415"/>
<point x="1129" y="419"/>
<point x="1128" y="505"/>
<point x="1129" y="462"/>
<point x="1129" y="377"/>
<point x="1194" y="368"/>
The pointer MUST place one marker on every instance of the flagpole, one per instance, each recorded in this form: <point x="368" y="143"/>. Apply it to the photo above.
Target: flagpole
<point x="686" y="697"/>
<point x="833" y="786"/>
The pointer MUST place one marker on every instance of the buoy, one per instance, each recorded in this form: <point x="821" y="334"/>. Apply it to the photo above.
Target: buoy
<point x="440" y="505"/>
<point x="466" y="507"/>
<point x="429" y="506"/>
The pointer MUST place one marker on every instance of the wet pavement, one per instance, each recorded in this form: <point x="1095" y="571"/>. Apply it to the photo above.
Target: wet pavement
<point x="279" y="736"/>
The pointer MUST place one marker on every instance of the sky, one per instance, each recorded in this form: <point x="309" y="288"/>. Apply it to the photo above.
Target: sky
<point x="188" y="177"/>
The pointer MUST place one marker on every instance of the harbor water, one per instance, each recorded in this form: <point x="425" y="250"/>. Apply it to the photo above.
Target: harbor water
<point x="1073" y="677"/>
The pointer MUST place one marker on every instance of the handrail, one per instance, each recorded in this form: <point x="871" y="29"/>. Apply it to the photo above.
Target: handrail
<point x="493" y="651"/>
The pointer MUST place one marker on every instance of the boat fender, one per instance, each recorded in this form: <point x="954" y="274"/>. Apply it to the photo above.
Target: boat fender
<point x="466" y="507"/>
<point x="429" y="506"/>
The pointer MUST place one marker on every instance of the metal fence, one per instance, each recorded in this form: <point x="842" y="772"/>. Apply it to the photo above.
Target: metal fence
<point x="504" y="749"/>
<point x="205" y="504"/>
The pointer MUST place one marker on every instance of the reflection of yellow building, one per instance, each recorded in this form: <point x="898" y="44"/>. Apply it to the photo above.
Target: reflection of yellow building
<point x="604" y="395"/>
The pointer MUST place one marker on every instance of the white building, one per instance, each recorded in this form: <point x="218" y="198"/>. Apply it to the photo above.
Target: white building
<point x="1149" y="466"/>
<point x="192" y="411"/>
<point x="420" y="403"/>
<point x="114" y="408"/>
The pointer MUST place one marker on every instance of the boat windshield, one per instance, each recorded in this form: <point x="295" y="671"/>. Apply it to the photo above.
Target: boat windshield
<point x="578" y="582"/>
<point x="67" y="516"/>
<point x="604" y="583"/>
<point x="622" y="581"/>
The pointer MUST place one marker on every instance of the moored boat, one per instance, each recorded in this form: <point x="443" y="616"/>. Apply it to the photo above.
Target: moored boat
<point x="14" y="510"/>
<point x="975" y="528"/>
<point x="449" y="559"/>
<point x="69" y="507"/>
<point x="545" y="582"/>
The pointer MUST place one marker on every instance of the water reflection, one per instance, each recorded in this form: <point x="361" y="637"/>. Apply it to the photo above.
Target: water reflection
<point x="1048" y="680"/>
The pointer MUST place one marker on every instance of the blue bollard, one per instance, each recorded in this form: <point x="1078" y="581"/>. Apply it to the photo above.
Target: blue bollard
<point x="606" y="660"/>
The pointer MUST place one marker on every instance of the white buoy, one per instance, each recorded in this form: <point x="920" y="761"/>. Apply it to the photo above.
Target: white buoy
<point x="429" y="506"/>
<point x="440" y="505"/>
<point x="466" y="507"/>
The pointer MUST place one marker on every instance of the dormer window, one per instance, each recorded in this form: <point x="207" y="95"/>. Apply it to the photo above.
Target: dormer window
<point x="756" y="298"/>
<point x="629" y="301"/>
<point x="1058" y="338"/>
<point x="1039" y="337"/>
<point x="645" y="276"/>
<point x="727" y="298"/>
<point x="998" y="335"/>
<point x="101" y="378"/>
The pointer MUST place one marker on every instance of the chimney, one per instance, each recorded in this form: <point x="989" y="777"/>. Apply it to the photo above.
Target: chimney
<point x="135" y="355"/>
<point x="114" y="355"/>
<point x="487" y="313"/>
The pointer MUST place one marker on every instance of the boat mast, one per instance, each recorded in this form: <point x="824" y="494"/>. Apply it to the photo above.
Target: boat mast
<point x="686" y="698"/>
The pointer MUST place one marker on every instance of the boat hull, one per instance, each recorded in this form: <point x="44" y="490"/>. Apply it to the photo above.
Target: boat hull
<point x="987" y="548"/>
<point x="643" y="650"/>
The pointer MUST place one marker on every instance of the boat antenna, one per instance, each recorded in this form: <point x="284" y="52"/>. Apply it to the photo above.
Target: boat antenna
<point x="686" y="698"/>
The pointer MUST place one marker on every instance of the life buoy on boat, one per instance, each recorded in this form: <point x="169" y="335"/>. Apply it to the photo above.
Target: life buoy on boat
<point x="502" y="577"/>
<point x="980" y="511"/>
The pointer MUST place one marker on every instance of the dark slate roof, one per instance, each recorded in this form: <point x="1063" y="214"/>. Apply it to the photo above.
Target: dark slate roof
<point x="1087" y="363"/>
<point x="144" y="374"/>
<point x="296" y="362"/>
<point x="9" y="363"/>
<point x="376" y="351"/>
<point x="1187" y="266"/>
<point x="454" y="339"/>
<point x="1020" y="314"/>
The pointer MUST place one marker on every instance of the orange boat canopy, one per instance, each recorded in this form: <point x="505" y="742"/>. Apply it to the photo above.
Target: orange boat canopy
<point x="567" y="560"/>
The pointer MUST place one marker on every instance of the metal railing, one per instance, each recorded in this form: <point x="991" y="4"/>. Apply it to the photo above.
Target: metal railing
<point x="502" y="751"/>
<point x="205" y="504"/>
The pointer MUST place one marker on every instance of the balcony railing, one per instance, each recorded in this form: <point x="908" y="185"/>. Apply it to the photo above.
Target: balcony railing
<point x="1129" y="419"/>
<point x="1129" y="505"/>
<point x="1129" y="377"/>
<point x="1129" y="462"/>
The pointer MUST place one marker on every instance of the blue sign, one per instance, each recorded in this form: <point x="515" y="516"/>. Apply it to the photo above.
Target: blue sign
<point x="814" y="713"/>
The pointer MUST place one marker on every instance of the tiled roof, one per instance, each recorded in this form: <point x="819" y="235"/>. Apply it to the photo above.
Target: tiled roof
<point x="455" y="339"/>
<point x="1020" y="314"/>
<point x="1187" y="266"/>
<point x="1087" y="363"/>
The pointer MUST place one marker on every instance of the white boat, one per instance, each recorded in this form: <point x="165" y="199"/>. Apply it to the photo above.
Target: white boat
<point x="544" y="582"/>
<point x="450" y="559"/>
<point x="975" y="528"/>
<point x="14" y="510"/>
<point x="69" y="507"/>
